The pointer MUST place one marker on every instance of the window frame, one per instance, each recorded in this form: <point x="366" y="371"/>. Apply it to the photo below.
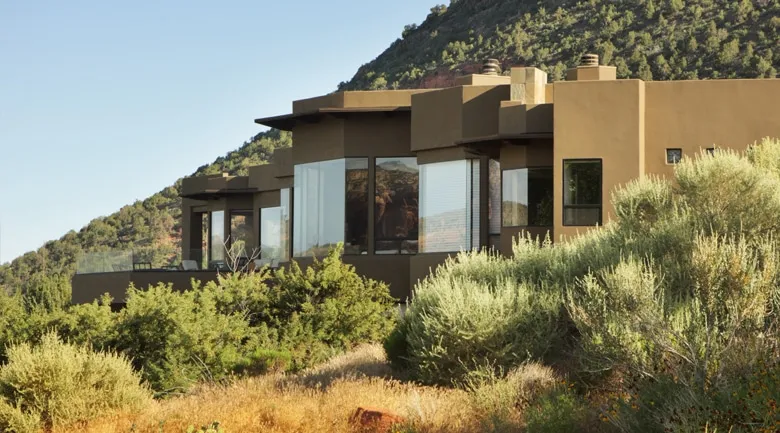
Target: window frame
<point x="666" y="155"/>
<point x="599" y="206"/>
<point x="552" y="171"/>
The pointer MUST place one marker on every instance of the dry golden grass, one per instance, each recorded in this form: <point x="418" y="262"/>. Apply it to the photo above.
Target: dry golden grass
<point x="320" y="400"/>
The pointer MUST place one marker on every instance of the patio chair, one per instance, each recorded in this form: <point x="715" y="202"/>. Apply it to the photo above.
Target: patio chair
<point x="189" y="265"/>
<point x="260" y="263"/>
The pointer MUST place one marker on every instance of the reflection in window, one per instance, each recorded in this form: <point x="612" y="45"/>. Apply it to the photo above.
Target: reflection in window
<point x="284" y="212"/>
<point x="356" y="223"/>
<point x="528" y="197"/>
<point x="494" y="194"/>
<point x="324" y="192"/>
<point x="241" y="237"/>
<point x="449" y="196"/>
<point x="581" y="192"/>
<point x="271" y="246"/>
<point x="395" y="206"/>
<point x="217" y="236"/>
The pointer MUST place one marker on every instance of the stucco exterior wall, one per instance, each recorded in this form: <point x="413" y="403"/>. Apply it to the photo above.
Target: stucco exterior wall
<point x="695" y="115"/>
<point x="319" y="141"/>
<point x="436" y="118"/>
<point x="598" y="119"/>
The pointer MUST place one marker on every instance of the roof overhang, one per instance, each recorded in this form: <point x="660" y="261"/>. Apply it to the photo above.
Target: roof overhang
<point x="213" y="194"/>
<point x="490" y="145"/>
<point x="286" y="122"/>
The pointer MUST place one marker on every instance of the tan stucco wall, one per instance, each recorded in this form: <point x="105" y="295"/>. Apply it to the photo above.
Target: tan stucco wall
<point x="695" y="115"/>
<point x="357" y="99"/>
<point x="481" y="110"/>
<point x="518" y="118"/>
<point x="598" y="119"/>
<point x="378" y="135"/>
<point x="319" y="141"/>
<point x="436" y="118"/>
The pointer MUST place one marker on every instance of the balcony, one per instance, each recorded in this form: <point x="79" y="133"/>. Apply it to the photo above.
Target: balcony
<point x="113" y="271"/>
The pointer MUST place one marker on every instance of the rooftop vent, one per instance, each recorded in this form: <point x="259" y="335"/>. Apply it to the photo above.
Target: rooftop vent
<point x="491" y="67"/>
<point x="589" y="60"/>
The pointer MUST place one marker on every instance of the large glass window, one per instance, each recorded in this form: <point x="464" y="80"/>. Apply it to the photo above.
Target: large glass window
<point x="527" y="197"/>
<point x="396" y="205"/>
<point x="324" y="194"/>
<point x="356" y="217"/>
<point x="581" y="192"/>
<point x="217" y="236"/>
<point x="271" y="246"/>
<point x="241" y="237"/>
<point x="449" y="206"/>
<point x="284" y="211"/>
<point x="494" y="194"/>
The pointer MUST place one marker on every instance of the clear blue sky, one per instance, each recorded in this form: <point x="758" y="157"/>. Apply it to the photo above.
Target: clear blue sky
<point x="103" y="103"/>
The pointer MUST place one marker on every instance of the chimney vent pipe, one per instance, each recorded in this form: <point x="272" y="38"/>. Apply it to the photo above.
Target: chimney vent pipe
<point x="491" y="67"/>
<point x="588" y="60"/>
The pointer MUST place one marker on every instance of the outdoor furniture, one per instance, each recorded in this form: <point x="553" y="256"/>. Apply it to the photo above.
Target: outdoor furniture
<point x="189" y="265"/>
<point x="271" y="263"/>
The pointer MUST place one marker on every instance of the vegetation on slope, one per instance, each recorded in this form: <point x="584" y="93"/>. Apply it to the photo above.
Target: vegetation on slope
<point x="648" y="39"/>
<point x="151" y="227"/>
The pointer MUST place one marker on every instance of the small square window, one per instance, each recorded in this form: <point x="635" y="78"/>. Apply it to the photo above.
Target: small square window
<point x="673" y="156"/>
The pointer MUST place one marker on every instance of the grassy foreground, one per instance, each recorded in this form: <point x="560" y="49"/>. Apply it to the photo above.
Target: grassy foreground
<point x="320" y="400"/>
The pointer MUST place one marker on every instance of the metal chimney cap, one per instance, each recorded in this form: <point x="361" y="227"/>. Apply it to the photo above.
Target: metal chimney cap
<point x="589" y="60"/>
<point x="491" y="67"/>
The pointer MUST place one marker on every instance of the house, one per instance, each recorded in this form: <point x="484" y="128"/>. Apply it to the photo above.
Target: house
<point x="405" y="178"/>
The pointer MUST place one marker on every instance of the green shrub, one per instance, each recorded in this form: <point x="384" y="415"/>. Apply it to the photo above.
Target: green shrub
<point x="176" y="338"/>
<point x="263" y="361"/>
<point x="455" y="324"/>
<point x="396" y="348"/>
<point x="44" y="293"/>
<point x="13" y="321"/>
<point x="559" y="410"/>
<point x="327" y="308"/>
<point x="611" y="310"/>
<point x="499" y="401"/>
<point x="57" y="383"/>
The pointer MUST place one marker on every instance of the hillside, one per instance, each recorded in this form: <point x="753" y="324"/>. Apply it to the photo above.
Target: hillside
<point x="650" y="39"/>
<point x="151" y="226"/>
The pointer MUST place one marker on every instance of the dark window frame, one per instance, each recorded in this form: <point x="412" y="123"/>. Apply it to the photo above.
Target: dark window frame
<point x="599" y="206"/>
<point x="668" y="149"/>
<point x="552" y="170"/>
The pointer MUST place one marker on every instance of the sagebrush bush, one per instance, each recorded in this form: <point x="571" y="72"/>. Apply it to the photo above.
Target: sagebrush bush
<point x="53" y="383"/>
<point x="455" y="324"/>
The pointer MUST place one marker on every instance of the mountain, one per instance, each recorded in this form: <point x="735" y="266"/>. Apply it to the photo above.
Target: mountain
<point x="648" y="39"/>
<point x="151" y="227"/>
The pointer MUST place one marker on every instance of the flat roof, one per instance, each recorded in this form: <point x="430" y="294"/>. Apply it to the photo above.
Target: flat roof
<point x="286" y="122"/>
